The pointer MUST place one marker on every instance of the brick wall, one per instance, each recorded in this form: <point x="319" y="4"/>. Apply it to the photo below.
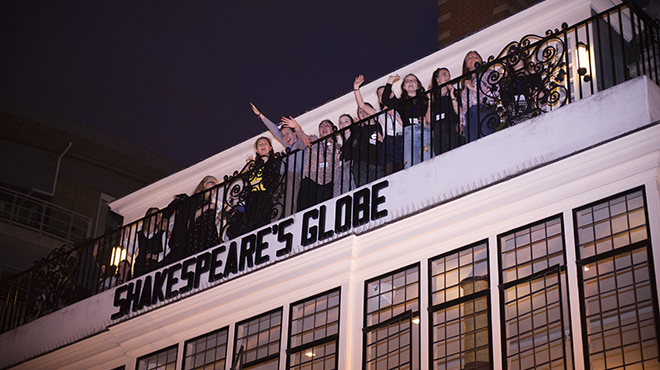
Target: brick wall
<point x="460" y="18"/>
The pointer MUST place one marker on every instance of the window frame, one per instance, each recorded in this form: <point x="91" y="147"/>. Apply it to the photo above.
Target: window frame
<point x="166" y="349"/>
<point x="566" y="322"/>
<point x="460" y="300"/>
<point x="327" y="339"/>
<point x="407" y="313"/>
<point x="266" y="358"/>
<point x="185" y="345"/>
<point x="612" y="253"/>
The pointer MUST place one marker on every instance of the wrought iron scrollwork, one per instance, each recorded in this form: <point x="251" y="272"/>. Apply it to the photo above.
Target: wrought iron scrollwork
<point x="254" y="196"/>
<point x="53" y="284"/>
<point x="526" y="79"/>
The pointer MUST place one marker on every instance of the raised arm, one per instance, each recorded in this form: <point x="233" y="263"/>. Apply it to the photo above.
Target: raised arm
<point x="358" y="96"/>
<point x="390" y="101"/>
<point x="271" y="126"/>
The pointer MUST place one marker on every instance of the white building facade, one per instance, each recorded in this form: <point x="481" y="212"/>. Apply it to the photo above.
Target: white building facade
<point x="532" y="247"/>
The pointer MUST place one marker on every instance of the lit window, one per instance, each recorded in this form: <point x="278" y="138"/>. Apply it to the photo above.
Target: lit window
<point x="617" y="284"/>
<point x="208" y="351"/>
<point x="259" y="340"/>
<point x="391" y="334"/>
<point x="460" y="308"/>
<point x="314" y="332"/>
<point x="161" y="360"/>
<point x="533" y="295"/>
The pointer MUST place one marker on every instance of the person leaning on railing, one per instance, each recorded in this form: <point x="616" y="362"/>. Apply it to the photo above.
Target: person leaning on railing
<point x="149" y="243"/>
<point x="366" y="145"/>
<point x="263" y="181"/>
<point x="120" y="276"/>
<point x="413" y="108"/>
<point x="392" y="125"/>
<point x="344" y="181"/>
<point x="478" y="116"/>
<point x="319" y="167"/>
<point x="192" y="221"/>
<point x="520" y="88"/>
<point x="292" y="140"/>
<point x="444" y="113"/>
<point x="88" y="273"/>
<point x="205" y="223"/>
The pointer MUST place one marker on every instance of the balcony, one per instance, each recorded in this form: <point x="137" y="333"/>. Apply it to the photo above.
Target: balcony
<point x="41" y="217"/>
<point x="531" y="77"/>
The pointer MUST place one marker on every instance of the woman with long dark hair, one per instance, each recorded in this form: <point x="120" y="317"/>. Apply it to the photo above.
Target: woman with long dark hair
<point x="444" y="113"/>
<point x="478" y="116"/>
<point x="320" y="164"/>
<point x="413" y="108"/>
<point x="294" y="141"/>
<point x="150" y="242"/>
<point x="206" y="219"/>
<point x="263" y="181"/>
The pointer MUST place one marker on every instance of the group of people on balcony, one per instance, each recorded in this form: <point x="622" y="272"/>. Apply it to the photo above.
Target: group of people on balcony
<point x="403" y="131"/>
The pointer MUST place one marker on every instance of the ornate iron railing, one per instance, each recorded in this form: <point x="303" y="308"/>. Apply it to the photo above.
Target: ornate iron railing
<point x="530" y="77"/>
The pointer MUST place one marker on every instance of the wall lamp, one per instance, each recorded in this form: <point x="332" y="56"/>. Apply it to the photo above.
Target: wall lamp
<point x="117" y="254"/>
<point x="583" y="61"/>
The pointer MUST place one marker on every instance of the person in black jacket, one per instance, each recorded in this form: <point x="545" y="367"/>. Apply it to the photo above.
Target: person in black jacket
<point x="413" y="107"/>
<point x="444" y="113"/>
<point x="149" y="243"/>
<point x="363" y="149"/>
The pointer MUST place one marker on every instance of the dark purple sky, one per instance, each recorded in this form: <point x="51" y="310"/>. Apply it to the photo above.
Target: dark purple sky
<point x="176" y="77"/>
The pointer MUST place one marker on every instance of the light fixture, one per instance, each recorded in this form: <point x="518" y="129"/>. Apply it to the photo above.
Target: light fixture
<point x="118" y="254"/>
<point x="586" y="268"/>
<point x="310" y="354"/>
<point x="416" y="320"/>
<point x="582" y="55"/>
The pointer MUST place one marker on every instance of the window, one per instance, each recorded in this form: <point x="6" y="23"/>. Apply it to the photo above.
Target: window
<point x="162" y="360"/>
<point x="534" y="298"/>
<point x="460" y="309"/>
<point x="207" y="352"/>
<point x="617" y="284"/>
<point x="391" y="334"/>
<point x="259" y="340"/>
<point x="314" y="332"/>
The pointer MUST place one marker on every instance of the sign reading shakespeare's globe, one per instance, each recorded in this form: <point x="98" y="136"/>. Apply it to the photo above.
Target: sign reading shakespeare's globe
<point x="263" y="247"/>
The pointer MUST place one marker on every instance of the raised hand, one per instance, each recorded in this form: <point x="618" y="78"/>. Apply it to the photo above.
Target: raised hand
<point x="305" y="139"/>
<point x="290" y="123"/>
<point x="255" y="110"/>
<point x="393" y="78"/>
<point x="358" y="82"/>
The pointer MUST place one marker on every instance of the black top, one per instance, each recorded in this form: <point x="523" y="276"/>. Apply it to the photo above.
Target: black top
<point x="444" y="121"/>
<point x="363" y="144"/>
<point x="410" y="109"/>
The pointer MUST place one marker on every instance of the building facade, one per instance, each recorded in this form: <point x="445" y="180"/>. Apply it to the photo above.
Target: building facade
<point x="532" y="247"/>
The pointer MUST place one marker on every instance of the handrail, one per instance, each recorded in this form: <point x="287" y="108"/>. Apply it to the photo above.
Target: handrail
<point x="43" y="217"/>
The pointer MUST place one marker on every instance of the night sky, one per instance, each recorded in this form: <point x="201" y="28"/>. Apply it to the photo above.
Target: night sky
<point x="176" y="77"/>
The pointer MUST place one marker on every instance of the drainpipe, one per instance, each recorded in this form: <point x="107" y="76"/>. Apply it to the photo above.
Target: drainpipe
<point x="57" y="172"/>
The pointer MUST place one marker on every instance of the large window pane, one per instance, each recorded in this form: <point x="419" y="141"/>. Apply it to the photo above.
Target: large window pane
<point x="208" y="352"/>
<point x="391" y="334"/>
<point x="259" y="338"/>
<point x="162" y="360"/>
<point x="535" y="318"/>
<point x="617" y="284"/>
<point x="460" y="308"/>
<point x="314" y="332"/>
